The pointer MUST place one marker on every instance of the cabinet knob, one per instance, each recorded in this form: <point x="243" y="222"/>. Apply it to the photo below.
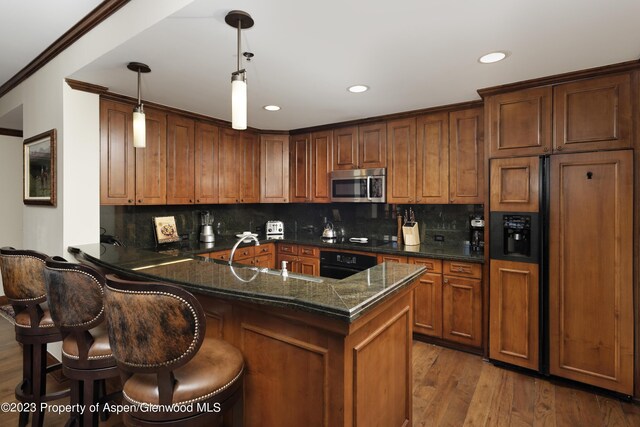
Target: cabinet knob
<point x="129" y="201"/>
<point x="559" y="148"/>
<point x="197" y="200"/>
<point x="545" y="149"/>
<point x="139" y="200"/>
<point x="410" y="200"/>
<point x="445" y="281"/>
<point x="190" y="200"/>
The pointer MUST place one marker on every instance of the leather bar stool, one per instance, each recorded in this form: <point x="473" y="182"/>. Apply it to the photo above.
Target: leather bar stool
<point x="23" y="281"/>
<point x="75" y="295"/>
<point x="157" y="335"/>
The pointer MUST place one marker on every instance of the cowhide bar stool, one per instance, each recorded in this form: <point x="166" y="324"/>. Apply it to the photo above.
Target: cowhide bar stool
<point x="157" y="336"/>
<point x="23" y="281"/>
<point x="75" y="294"/>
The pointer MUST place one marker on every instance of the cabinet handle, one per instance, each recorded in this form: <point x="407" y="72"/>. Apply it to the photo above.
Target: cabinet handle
<point x="139" y="200"/>
<point x="559" y="148"/>
<point x="129" y="201"/>
<point x="190" y="200"/>
<point x="410" y="200"/>
<point x="545" y="149"/>
<point x="445" y="281"/>
<point x="197" y="200"/>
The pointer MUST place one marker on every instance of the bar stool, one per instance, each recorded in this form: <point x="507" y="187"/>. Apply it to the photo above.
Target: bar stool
<point x="157" y="334"/>
<point x="23" y="281"/>
<point x="75" y="295"/>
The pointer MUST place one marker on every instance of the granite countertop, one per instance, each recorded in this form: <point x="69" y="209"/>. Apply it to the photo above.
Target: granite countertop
<point x="454" y="251"/>
<point x="345" y="299"/>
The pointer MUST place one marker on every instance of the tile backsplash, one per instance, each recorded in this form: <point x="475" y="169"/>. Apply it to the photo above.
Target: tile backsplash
<point x="133" y="224"/>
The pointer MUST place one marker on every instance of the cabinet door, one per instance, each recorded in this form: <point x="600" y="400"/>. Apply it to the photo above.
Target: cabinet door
<point x="274" y="168"/>
<point x="117" y="155"/>
<point x="206" y="164"/>
<point x="590" y="269"/>
<point x="228" y="167"/>
<point x="427" y="305"/>
<point x="401" y="161"/>
<point x="515" y="184"/>
<point x="391" y="258"/>
<point x="180" y="161"/>
<point x="519" y="122"/>
<point x="514" y="305"/>
<point x="292" y="262"/>
<point x="466" y="156"/>
<point x="151" y="162"/>
<point x="462" y="310"/>
<point x="372" y="147"/>
<point x="432" y="172"/>
<point x="321" y="145"/>
<point x="593" y="114"/>
<point x="300" y="164"/>
<point x="266" y="261"/>
<point x="309" y="266"/>
<point x="249" y="168"/>
<point x="345" y="148"/>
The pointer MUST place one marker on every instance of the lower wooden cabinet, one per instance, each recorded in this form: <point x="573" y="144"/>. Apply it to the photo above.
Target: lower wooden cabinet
<point x="300" y="259"/>
<point x="514" y="313"/>
<point x="427" y="305"/>
<point x="462" y="310"/>
<point x="260" y="256"/>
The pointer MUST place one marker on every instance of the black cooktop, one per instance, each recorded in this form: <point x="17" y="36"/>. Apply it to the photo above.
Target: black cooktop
<point x="369" y="243"/>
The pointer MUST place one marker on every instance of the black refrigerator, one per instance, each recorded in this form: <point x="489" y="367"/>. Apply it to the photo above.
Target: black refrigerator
<point x="561" y="277"/>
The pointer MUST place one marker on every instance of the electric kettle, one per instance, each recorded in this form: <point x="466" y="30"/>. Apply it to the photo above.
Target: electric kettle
<point x="328" y="232"/>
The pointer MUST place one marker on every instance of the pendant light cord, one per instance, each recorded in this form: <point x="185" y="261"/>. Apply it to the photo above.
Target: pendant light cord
<point x="139" y="102"/>
<point x="239" y="28"/>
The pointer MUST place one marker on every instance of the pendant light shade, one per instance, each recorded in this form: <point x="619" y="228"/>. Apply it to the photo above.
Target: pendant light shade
<point x="139" y="121"/>
<point x="239" y="19"/>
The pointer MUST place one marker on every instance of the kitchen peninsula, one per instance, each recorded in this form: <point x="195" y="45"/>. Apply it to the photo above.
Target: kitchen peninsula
<point x="318" y="351"/>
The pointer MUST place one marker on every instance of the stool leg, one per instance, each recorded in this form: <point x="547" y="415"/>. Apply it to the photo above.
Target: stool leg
<point x="89" y="418"/>
<point x="27" y="376"/>
<point x="75" y="398"/>
<point x="39" y="381"/>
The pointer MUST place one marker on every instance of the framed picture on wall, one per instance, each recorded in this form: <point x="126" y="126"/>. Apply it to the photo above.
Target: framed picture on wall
<point x="39" y="169"/>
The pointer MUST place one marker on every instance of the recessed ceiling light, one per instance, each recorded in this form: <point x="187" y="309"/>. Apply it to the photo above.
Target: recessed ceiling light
<point x="271" y="107"/>
<point x="358" y="88"/>
<point x="492" y="57"/>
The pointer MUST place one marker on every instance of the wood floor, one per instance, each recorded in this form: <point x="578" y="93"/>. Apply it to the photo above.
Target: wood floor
<point x="450" y="388"/>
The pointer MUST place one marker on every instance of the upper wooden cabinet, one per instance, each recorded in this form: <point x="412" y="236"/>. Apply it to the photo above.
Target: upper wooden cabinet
<point x="401" y="161"/>
<point x="321" y="147"/>
<point x="433" y="159"/>
<point x="249" y="167"/>
<point x="372" y="146"/>
<point x="466" y="156"/>
<point x="519" y="123"/>
<point x="151" y="161"/>
<point x="274" y="168"/>
<point x="515" y="184"/>
<point x="345" y="148"/>
<point x="180" y="160"/>
<point x="207" y="159"/>
<point x="593" y="114"/>
<point x="228" y="169"/>
<point x="300" y="168"/>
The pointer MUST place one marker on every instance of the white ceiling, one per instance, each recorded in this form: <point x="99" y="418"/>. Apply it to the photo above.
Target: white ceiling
<point x="412" y="53"/>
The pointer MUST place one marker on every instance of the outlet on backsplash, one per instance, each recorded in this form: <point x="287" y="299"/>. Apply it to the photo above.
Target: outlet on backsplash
<point x="438" y="237"/>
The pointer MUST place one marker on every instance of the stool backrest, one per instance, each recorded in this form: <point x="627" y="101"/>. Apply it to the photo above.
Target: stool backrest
<point x="23" y="276"/>
<point x="152" y="326"/>
<point x="75" y="295"/>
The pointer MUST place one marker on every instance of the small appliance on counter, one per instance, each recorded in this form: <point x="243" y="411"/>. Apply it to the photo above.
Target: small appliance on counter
<point x="329" y="233"/>
<point x="476" y="232"/>
<point x="410" y="231"/>
<point x="274" y="229"/>
<point x="206" y="227"/>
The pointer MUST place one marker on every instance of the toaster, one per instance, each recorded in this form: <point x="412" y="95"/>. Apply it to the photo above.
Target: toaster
<point x="275" y="229"/>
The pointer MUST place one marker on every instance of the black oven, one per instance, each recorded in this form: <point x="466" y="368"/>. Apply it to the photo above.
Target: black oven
<point x="338" y="265"/>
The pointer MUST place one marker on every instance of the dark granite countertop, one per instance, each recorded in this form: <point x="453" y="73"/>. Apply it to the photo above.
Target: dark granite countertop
<point x="345" y="299"/>
<point x="454" y="251"/>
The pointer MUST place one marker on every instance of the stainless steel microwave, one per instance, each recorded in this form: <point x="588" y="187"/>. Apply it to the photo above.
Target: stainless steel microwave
<point x="359" y="185"/>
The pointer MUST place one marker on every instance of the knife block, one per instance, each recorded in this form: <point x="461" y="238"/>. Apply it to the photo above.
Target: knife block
<point x="411" y="235"/>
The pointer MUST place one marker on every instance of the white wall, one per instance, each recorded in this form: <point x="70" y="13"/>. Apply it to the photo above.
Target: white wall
<point x="10" y="192"/>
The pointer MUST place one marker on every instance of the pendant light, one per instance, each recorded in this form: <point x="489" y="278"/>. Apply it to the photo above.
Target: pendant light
<point x="239" y="19"/>
<point x="139" y="122"/>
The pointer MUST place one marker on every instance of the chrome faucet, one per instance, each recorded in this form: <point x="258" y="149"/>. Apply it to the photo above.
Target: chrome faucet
<point x="242" y="239"/>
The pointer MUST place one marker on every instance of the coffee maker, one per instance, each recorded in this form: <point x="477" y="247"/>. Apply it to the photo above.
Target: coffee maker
<point x="476" y="232"/>
<point x="206" y="227"/>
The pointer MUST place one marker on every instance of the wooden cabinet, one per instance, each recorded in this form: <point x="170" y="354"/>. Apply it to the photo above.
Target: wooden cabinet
<point x="260" y="256"/>
<point x="300" y="168"/>
<point x="515" y="184"/>
<point x="593" y="114"/>
<point x="300" y="259"/>
<point x="372" y="146"/>
<point x="591" y="321"/>
<point x="180" y="160"/>
<point x="427" y="298"/>
<point x="519" y="123"/>
<point x="151" y="161"/>
<point x="401" y="161"/>
<point x="321" y="147"/>
<point x="462" y="310"/>
<point x="466" y="156"/>
<point x="207" y="159"/>
<point x="391" y="258"/>
<point x="432" y="160"/>
<point x="274" y="168"/>
<point x="117" y="155"/>
<point x="239" y="168"/>
<point x="514" y="313"/>
<point x="345" y="148"/>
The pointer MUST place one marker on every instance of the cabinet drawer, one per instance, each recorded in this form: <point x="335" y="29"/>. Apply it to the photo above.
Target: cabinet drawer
<point x="244" y="253"/>
<point x="287" y="248"/>
<point x="267" y="248"/>
<point x="310" y="251"/>
<point x="265" y="260"/>
<point x="465" y="269"/>
<point x="391" y="258"/>
<point x="432" y="265"/>
<point x="220" y="255"/>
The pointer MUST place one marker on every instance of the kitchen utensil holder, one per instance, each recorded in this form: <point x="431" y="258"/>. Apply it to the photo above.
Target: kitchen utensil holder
<point x="411" y="235"/>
